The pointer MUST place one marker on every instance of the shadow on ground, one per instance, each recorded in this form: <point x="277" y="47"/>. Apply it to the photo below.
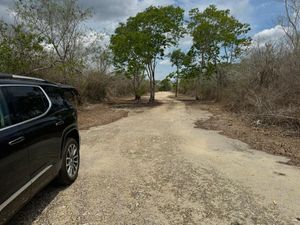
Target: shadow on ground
<point x="132" y="104"/>
<point x="28" y="214"/>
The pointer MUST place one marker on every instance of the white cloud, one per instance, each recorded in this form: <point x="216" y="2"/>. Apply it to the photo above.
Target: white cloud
<point x="92" y="38"/>
<point x="273" y="35"/>
<point x="241" y="9"/>
<point x="186" y="42"/>
<point x="165" y="62"/>
<point x="5" y="12"/>
<point x="109" y="13"/>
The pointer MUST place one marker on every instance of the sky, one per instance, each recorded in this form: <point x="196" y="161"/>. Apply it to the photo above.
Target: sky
<point x="262" y="15"/>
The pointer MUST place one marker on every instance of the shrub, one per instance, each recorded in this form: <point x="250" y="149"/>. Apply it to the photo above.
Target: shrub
<point x="164" y="85"/>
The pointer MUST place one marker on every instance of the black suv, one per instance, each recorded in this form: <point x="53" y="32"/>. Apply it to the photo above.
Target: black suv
<point x="39" y="139"/>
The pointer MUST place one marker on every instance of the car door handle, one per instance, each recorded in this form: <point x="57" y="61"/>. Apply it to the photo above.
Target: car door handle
<point x="59" y="123"/>
<point x="17" y="141"/>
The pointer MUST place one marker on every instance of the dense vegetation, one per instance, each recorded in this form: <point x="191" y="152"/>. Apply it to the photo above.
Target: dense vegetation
<point x="49" y="39"/>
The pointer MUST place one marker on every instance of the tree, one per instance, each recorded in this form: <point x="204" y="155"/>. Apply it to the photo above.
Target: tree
<point x="21" y="51"/>
<point x="103" y="60"/>
<point x="126" y="51"/>
<point x="148" y="34"/>
<point x="165" y="85"/>
<point x="177" y="58"/>
<point x="291" y="22"/>
<point x="136" y="73"/>
<point x="60" y="24"/>
<point x="216" y="36"/>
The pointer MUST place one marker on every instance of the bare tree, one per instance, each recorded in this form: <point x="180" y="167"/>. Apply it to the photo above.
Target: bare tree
<point x="291" y="22"/>
<point x="60" y="23"/>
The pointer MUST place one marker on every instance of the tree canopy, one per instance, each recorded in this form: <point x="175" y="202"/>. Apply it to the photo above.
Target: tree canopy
<point x="21" y="51"/>
<point x="217" y="37"/>
<point x="178" y="59"/>
<point x="143" y="39"/>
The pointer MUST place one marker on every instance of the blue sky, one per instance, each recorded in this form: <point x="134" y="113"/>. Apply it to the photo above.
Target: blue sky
<point x="262" y="15"/>
<point x="265" y="14"/>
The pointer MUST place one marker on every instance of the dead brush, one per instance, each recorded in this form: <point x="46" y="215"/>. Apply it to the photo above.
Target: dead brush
<point x="266" y="87"/>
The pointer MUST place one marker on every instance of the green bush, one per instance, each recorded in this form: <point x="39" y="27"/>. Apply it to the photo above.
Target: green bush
<point x="164" y="85"/>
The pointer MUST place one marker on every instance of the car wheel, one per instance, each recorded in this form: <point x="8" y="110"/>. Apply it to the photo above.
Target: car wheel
<point x="70" y="162"/>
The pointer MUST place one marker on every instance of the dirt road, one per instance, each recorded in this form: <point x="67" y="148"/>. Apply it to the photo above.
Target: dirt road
<point x="154" y="167"/>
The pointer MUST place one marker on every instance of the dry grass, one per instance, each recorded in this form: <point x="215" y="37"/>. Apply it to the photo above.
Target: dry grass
<point x="265" y="84"/>
<point x="98" y="114"/>
<point x="272" y="139"/>
<point x="91" y="115"/>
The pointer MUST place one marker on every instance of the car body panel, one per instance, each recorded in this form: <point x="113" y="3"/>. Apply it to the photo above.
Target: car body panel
<point x="28" y="166"/>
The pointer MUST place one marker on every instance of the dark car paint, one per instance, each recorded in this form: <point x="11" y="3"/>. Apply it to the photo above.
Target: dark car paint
<point x="37" y="160"/>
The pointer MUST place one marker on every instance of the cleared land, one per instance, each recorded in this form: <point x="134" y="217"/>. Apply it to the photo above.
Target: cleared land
<point x="277" y="140"/>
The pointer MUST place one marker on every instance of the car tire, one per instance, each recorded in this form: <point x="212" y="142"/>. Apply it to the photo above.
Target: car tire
<point x="70" y="163"/>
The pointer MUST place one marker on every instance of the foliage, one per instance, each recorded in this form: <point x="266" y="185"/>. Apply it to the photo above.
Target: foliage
<point x="97" y="86"/>
<point x="101" y="58"/>
<point x="60" y="24"/>
<point x="125" y="57"/>
<point x="164" y="85"/>
<point x="143" y="39"/>
<point x="21" y="51"/>
<point x="178" y="59"/>
<point x="217" y="36"/>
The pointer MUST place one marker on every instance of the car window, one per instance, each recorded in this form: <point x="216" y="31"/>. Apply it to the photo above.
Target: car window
<point x="56" y="97"/>
<point x="70" y="98"/>
<point x="4" y="115"/>
<point x="25" y="102"/>
<point x="61" y="98"/>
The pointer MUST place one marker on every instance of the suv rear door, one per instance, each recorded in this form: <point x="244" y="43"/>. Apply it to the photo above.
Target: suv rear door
<point x="14" y="166"/>
<point x="29" y="106"/>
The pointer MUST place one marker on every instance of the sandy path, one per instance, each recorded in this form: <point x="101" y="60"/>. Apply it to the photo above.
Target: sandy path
<point x="154" y="167"/>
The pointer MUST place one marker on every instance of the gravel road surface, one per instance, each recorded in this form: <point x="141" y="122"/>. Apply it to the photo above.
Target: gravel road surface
<point x="154" y="167"/>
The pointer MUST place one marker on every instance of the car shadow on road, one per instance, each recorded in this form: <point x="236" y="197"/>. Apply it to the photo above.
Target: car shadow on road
<point x="28" y="214"/>
<point x="132" y="104"/>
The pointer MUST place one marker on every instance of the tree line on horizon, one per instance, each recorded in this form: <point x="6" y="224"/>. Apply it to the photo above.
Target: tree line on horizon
<point x="142" y="41"/>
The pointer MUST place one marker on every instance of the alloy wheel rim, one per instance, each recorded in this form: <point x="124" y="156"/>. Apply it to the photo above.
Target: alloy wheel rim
<point x="72" y="160"/>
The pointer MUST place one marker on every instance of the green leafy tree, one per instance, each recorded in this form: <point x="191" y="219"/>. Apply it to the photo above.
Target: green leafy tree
<point x="216" y="36"/>
<point x="21" y="51"/>
<point x="147" y="35"/>
<point x="165" y="85"/>
<point x="178" y="59"/>
<point x="126" y="58"/>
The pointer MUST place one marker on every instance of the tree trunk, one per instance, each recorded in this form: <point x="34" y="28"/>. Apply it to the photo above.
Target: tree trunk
<point x="134" y="85"/>
<point x="137" y="97"/>
<point x="152" y="87"/>
<point x="152" y="96"/>
<point x="152" y="92"/>
<point x="198" y="77"/>
<point x="176" y="90"/>
<point x="197" y="88"/>
<point x="219" y="82"/>
<point x="151" y="74"/>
